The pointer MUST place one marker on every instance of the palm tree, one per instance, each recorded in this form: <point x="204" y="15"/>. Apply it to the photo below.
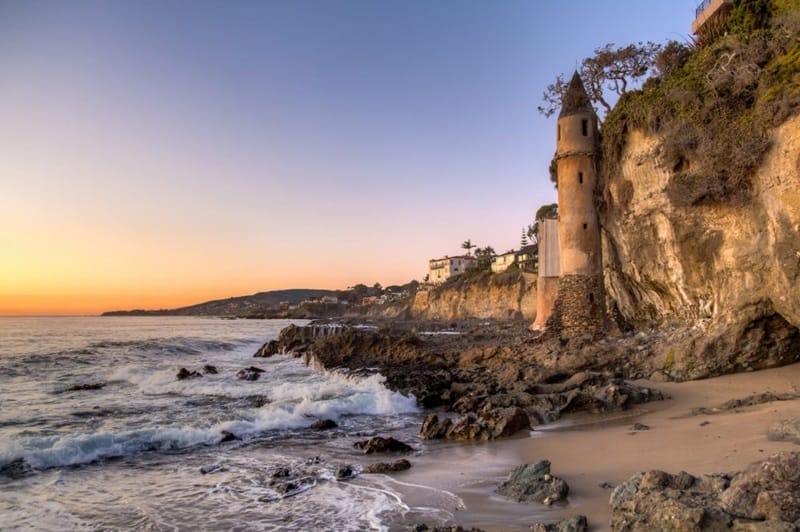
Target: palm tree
<point x="468" y="245"/>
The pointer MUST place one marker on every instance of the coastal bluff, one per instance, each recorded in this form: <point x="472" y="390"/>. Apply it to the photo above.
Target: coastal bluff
<point x="509" y="295"/>
<point x="726" y="272"/>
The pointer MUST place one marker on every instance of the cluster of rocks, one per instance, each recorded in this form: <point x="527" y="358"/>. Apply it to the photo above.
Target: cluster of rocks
<point x="765" y="496"/>
<point x="246" y="374"/>
<point x="487" y="424"/>
<point x="185" y="374"/>
<point x="495" y="374"/>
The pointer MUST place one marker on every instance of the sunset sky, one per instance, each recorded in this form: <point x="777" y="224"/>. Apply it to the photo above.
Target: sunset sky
<point x="161" y="153"/>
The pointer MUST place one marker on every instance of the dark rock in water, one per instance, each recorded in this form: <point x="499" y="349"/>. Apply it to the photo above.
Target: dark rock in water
<point x="385" y="467"/>
<point x="640" y="426"/>
<point x="268" y="349"/>
<point x="606" y="486"/>
<point x="766" y="490"/>
<point x="259" y="400"/>
<point x="324" y="424"/>
<point x="382" y="445"/>
<point x="292" y="487"/>
<point x="314" y="460"/>
<point x="286" y="487"/>
<point x="344" y="472"/>
<point x="215" y="468"/>
<point x="16" y="469"/>
<point x="229" y="436"/>
<point x="250" y="374"/>
<point x="573" y="524"/>
<point x="184" y="374"/>
<point x="82" y="387"/>
<point x="534" y="483"/>
<point x="282" y="472"/>
<point x="208" y="369"/>
<point x="785" y="430"/>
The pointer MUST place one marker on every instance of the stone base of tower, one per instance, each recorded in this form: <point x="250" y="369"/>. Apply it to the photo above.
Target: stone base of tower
<point x="580" y="307"/>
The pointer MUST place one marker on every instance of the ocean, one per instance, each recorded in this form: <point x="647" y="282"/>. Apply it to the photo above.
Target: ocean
<point x="97" y="433"/>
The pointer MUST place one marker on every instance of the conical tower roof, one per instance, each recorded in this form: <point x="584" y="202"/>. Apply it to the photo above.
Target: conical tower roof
<point x="575" y="99"/>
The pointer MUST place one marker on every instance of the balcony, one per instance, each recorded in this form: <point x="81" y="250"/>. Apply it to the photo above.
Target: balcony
<point x="709" y="17"/>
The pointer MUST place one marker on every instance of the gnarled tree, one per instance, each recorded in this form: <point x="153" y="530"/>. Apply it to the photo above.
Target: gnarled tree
<point x="611" y="69"/>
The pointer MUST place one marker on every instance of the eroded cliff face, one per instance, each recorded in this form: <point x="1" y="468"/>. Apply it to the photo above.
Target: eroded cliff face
<point x="486" y="299"/>
<point x="730" y="271"/>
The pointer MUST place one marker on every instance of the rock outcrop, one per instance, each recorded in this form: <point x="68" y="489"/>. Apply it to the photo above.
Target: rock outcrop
<point x="488" y="424"/>
<point x="505" y="296"/>
<point x="534" y="483"/>
<point x="730" y="271"/>
<point x="765" y="496"/>
<point x="495" y="374"/>
<point x="379" y="444"/>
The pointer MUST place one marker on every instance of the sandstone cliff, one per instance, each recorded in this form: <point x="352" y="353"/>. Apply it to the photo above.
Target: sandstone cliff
<point x="730" y="271"/>
<point x="505" y="296"/>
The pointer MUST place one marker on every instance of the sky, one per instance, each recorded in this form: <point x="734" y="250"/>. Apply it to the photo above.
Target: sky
<point x="159" y="153"/>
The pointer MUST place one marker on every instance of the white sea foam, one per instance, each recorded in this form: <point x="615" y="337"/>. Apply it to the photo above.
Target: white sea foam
<point x="292" y="405"/>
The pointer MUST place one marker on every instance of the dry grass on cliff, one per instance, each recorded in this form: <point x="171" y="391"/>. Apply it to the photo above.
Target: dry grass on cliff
<point x="715" y="106"/>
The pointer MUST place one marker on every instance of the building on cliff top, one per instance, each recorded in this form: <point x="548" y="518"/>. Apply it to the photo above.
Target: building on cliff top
<point x="710" y="17"/>
<point x="440" y="270"/>
<point x="580" y="304"/>
<point x="549" y="270"/>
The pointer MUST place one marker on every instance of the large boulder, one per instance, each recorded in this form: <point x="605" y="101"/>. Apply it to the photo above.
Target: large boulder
<point x="656" y="500"/>
<point x="573" y="524"/>
<point x="785" y="430"/>
<point x="488" y="424"/>
<point x="382" y="445"/>
<point x="385" y="467"/>
<point x="767" y="490"/>
<point x="250" y="374"/>
<point x="534" y="483"/>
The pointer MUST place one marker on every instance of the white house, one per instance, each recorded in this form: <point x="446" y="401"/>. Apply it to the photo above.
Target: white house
<point x="501" y="262"/>
<point x="439" y="270"/>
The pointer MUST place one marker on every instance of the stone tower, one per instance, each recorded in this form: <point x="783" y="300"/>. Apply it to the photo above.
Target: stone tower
<point x="580" y="307"/>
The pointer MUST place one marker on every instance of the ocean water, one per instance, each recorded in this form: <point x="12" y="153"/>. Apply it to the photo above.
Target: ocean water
<point x="145" y="450"/>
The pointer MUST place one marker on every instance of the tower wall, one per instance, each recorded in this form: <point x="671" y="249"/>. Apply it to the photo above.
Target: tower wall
<point x="580" y="306"/>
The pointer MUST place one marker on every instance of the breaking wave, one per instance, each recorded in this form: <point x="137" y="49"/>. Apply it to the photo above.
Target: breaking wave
<point x="291" y="405"/>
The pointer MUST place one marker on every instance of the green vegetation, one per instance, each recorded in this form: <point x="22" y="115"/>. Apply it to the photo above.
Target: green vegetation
<point x="669" y="362"/>
<point x="715" y="105"/>
<point x="549" y="211"/>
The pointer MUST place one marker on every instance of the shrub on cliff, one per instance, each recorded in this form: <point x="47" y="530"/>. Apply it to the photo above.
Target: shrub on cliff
<point x="714" y="106"/>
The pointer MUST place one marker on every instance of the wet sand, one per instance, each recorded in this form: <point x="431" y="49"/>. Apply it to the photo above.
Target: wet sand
<point x="588" y="450"/>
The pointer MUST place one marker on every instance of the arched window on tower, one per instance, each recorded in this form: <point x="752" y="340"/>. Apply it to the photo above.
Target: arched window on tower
<point x="585" y="127"/>
<point x="580" y="178"/>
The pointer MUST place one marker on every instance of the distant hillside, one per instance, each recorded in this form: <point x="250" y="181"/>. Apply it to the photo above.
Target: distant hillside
<point x="234" y="306"/>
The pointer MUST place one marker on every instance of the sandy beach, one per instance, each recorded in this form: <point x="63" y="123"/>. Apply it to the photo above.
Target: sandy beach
<point x="589" y="450"/>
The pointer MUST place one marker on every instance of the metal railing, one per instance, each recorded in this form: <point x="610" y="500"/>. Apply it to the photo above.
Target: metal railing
<point x="702" y="7"/>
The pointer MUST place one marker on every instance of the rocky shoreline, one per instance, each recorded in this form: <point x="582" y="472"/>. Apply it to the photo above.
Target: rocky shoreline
<point x="474" y="367"/>
<point x="489" y="379"/>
